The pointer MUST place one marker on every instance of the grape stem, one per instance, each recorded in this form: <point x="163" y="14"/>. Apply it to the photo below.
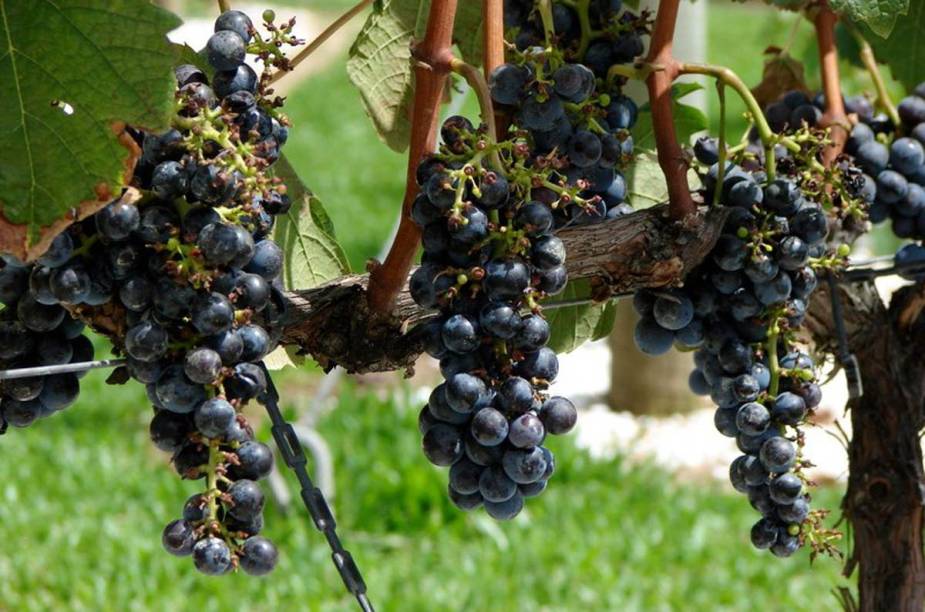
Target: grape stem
<point x="549" y="31"/>
<point x="730" y="78"/>
<point x="870" y="63"/>
<point x="834" y="116"/>
<point x="224" y="5"/>
<point x="215" y="458"/>
<point x="773" y="365"/>
<point x="640" y="72"/>
<point x="582" y="7"/>
<point x="319" y="40"/>
<point x="430" y="74"/>
<point x="479" y="85"/>
<point x="721" y="167"/>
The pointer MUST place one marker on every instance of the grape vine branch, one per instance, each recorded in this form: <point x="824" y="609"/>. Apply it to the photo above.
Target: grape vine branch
<point x="834" y="117"/>
<point x="433" y="57"/>
<point x="671" y="157"/>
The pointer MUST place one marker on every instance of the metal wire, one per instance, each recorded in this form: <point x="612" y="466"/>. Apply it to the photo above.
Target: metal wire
<point x="291" y="450"/>
<point x="81" y="366"/>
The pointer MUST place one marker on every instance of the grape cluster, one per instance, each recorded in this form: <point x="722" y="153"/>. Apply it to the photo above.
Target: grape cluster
<point x="574" y="116"/>
<point x="201" y="313"/>
<point x="185" y="274"/>
<point x="795" y="109"/>
<point x="609" y="35"/>
<point x="36" y="331"/>
<point x="488" y="211"/>
<point x="894" y="167"/>
<point x="488" y="254"/>
<point x="738" y="311"/>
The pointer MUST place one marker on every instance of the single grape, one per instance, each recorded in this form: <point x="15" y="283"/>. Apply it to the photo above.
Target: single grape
<point x="258" y="556"/>
<point x="179" y="538"/>
<point x="212" y="556"/>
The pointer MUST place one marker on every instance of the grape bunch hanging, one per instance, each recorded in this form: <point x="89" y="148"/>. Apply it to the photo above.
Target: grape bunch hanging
<point x="741" y="311"/>
<point x="184" y="278"/>
<point x="894" y="167"/>
<point x="488" y="211"/>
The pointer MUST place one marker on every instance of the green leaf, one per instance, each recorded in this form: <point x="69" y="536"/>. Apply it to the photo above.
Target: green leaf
<point x="306" y="235"/>
<point x="904" y="50"/>
<point x="647" y="182"/>
<point x="380" y="64"/>
<point x="688" y="120"/>
<point x="572" y="326"/>
<point x="110" y="63"/>
<point x="681" y="90"/>
<point x="187" y="55"/>
<point x="879" y="15"/>
<point x="284" y="356"/>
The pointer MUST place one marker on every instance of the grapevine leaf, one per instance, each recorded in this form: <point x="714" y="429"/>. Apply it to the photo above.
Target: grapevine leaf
<point x="879" y="15"/>
<point x="284" y="356"/>
<point x="187" y="55"/>
<point x="904" y="50"/>
<point x="467" y="32"/>
<point x="380" y="64"/>
<point x="572" y="326"/>
<point x="688" y="119"/>
<point x="74" y="73"/>
<point x="782" y="73"/>
<point x="647" y="182"/>
<point x="306" y="236"/>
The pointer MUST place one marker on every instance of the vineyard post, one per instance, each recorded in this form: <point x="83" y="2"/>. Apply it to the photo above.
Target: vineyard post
<point x="432" y="66"/>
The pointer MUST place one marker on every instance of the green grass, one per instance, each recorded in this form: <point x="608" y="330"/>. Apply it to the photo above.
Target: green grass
<point x="84" y="498"/>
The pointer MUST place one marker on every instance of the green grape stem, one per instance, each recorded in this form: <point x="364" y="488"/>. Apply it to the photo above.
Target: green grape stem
<point x="477" y="82"/>
<point x="773" y="364"/>
<point x="721" y="168"/>
<point x="544" y="7"/>
<point x="215" y="459"/>
<point x="319" y="40"/>
<point x="870" y="63"/>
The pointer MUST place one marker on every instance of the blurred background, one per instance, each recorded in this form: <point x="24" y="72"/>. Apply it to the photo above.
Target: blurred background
<point x="639" y="515"/>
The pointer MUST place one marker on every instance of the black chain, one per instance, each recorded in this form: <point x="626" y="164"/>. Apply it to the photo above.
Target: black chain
<point x="291" y="449"/>
<point x="845" y="356"/>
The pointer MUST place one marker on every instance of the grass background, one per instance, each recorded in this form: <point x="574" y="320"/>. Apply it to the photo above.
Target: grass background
<point x="85" y="495"/>
<point x="84" y="498"/>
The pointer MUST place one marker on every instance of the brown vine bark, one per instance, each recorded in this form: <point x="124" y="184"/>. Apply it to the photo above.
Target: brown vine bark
<point x="671" y="157"/>
<point x="493" y="34"/>
<point x="886" y="483"/>
<point x="334" y="324"/>
<point x="834" y="117"/>
<point x="884" y="500"/>
<point x="433" y="57"/>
